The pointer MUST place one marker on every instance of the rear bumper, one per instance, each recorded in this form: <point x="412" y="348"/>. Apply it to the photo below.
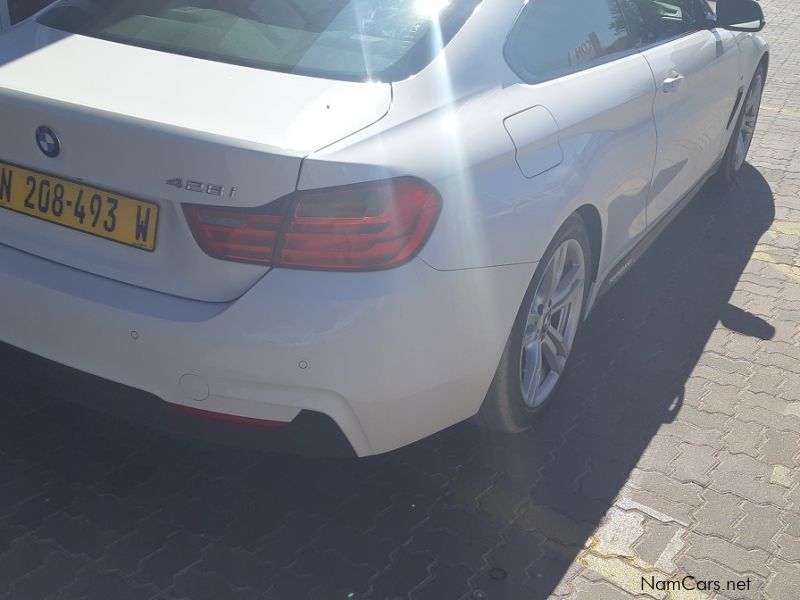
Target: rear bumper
<point x="390" y="356"/>
<point x="28" y="380"/>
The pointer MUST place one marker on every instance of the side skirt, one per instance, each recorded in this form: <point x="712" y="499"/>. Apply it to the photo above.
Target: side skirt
<point x="628" y="260"/>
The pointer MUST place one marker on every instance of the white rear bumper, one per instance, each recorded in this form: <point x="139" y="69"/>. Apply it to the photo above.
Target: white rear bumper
<point x="390" y="356"/>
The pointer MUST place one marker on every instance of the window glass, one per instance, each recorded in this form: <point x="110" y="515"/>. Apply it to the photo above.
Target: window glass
<point x="342" y="39"/>
<point x="554" y="37"/>
<point x="22" y="9"/>
<point x="652" y="21"/>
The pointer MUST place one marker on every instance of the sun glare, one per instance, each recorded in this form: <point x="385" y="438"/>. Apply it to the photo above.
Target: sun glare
<point x="430" y="8"/>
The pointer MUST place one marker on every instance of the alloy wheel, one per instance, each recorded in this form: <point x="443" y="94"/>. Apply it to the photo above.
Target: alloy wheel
<point x="552" y="323"/>
<point x="752" y="105"/>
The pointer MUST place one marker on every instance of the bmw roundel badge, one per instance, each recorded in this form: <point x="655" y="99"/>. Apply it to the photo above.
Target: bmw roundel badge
<point x="48" y="141"/>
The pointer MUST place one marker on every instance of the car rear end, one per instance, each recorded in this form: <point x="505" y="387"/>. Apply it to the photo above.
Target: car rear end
<point x="153" y="130"/>
<point x="152" y="233"/>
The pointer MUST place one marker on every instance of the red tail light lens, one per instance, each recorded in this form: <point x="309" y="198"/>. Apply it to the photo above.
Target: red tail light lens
<point x="375" y="225"/>
<point x="361" y="227"/>
<point x="243" y="235"/>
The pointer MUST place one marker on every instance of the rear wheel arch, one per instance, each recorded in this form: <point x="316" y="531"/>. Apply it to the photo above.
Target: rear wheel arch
<point x="594" y="228"/>
<point x="764" y="62"/>
<point x="728" y="170"/>
<point x="504" y="407"/>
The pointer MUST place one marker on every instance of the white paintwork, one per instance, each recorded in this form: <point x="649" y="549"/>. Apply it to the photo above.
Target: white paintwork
<point x="141" y="119"/>
<point x="535" y="134"/>
<point x="380" y="347"/>
<point x="392" y="356"/>
<point x="691" y="119"/>
<point x="262" y="109"/>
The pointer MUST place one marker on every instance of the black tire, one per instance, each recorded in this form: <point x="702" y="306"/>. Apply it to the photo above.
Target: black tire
<point x="728" y="172"/>
<point x="503" y="408"/>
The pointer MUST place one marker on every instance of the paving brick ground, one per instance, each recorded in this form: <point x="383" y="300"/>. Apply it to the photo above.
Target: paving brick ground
<point x="675" y="450"/>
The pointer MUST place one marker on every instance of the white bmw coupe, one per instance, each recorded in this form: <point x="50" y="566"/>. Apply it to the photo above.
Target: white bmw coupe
<point x="394" y="213"/>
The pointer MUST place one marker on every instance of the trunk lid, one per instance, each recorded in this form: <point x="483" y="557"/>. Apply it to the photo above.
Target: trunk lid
<point x="130" y="119"/>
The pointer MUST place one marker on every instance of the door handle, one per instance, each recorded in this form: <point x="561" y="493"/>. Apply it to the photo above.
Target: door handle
<point x="672" y="83"/>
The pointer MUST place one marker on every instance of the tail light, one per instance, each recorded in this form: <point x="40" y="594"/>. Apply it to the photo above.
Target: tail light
<point x="360" y="227"/>
<point x="239" y="234"/>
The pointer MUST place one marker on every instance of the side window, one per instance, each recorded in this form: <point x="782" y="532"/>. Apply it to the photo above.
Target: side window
<point x="556" y="37"/>
<point x="652" y="21"/>
<point x="22" y="9"/>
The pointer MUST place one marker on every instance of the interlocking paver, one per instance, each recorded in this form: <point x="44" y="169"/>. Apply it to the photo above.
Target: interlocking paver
<point x="692" y="434"/>
<point x="781" y="447"/>
<point x="333" y="570"/>
<point x="75" y="534"/>
<point x="92" y="584"/>
<point x="767" y="381"/>
<point x="287" y="585"/>
<point x="600" y="590"/>
<point x="406" y="571"/>
<point x="784" y="582"/>
<point x="793" y="496"/>
<point x="788" y="547"/>
<point x="768" y="402"/>
<point x="51" y="499"/>
<point x="659" y="545"/>
<point x="297" y="532"/>
<point x="58" y="571"/>
<point x="106" y="512"/>
<point x="744" y="437"/>
<point x="180" y="551"/>
<point x="791" y="391"/>
<point x="758" y="526"/>
<point x="760" y="490"/>
<point x="239" y="567"/>
<point x="517" y="553"/>
<point x="732" y="378"/>
<point x="680" y="497"/>
<point x="446" y="581"/>
<point x="768" y="418"/>
<point x="712" y="571"/>
<point x="720" y="398"/>
<point x="200" y="585"/>
<point x="21" y="558"/>
<point x="792" y="523"/>
<point x="728" y="554"/>
<point x="694" y="463"/>
<point x="703" y="420"/>
<point x="125" y="555"/>
<point x="660" y="454"/>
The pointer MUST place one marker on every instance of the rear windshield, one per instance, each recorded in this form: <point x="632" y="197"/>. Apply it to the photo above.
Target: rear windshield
<point x="379" y="40"/>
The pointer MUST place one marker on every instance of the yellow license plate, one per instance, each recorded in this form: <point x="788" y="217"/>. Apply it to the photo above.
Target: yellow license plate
<point x="77" y="206"/>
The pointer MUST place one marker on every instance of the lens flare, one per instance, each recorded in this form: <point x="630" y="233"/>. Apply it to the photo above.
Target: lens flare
<point x="430" y="8"/>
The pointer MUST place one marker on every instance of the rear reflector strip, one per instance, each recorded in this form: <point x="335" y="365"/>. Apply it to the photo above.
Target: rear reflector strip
<point x="207" y="414"/>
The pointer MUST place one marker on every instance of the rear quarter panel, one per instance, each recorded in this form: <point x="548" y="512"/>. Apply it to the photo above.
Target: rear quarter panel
<point x="446" y="125"/>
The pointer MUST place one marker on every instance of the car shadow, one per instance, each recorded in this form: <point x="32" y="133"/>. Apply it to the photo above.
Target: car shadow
<point x="463" y="514"/>
<point x="630" y="377"/>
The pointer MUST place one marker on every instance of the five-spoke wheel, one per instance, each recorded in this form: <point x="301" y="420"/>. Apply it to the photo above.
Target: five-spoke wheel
<point x="742" y="131"/>
<point x="552" y="322"/>
<point x="747" y="127"/>
<point x="539" y="347"/>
